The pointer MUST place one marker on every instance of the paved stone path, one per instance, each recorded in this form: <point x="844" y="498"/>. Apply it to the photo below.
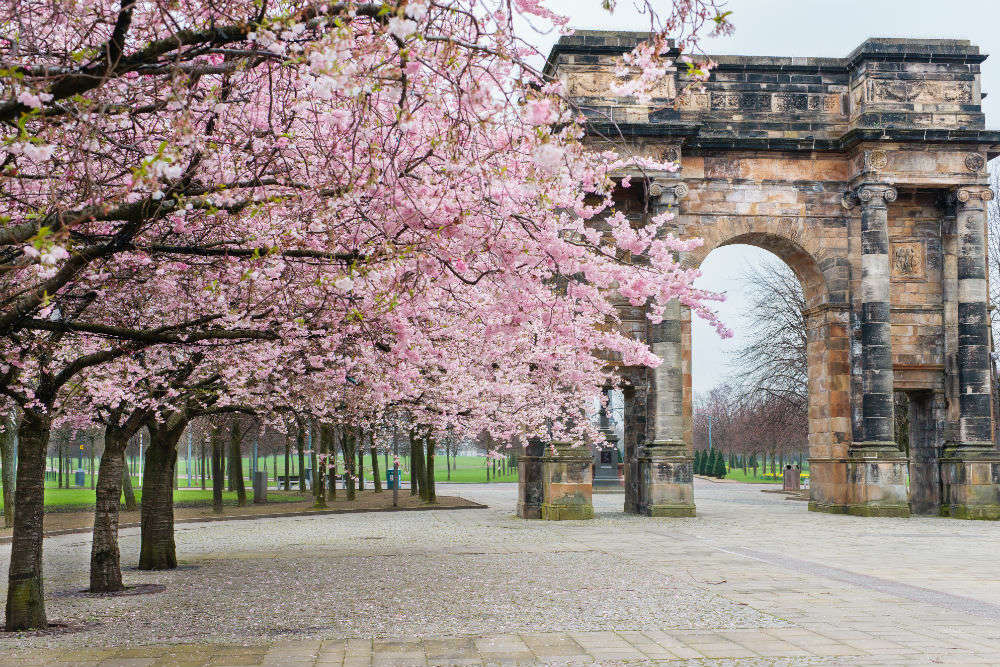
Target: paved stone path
<point x="754" y="579"/>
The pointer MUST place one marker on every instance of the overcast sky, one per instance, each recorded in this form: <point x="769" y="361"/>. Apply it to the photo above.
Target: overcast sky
<point x="830" y="28"/>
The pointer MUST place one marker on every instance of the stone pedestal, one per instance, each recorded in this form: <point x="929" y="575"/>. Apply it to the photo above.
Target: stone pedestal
<point x="666" y="477"/>
<point x="530" y="488"/>
<point x="606" y="477"/>
<point x="970" y="484"/>
<point x="877" y="484"/>
<point x="567" y="491"/>
<point x="869" y="482"/>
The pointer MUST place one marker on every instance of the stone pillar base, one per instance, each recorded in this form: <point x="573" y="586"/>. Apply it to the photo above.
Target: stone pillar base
<point x="970" y="482"/>
<point x="871" y="481"/>
<point x="567" y="490"/>
<point x="529" y="487"/>
<point x="666" y="481"/>
<point x="877" y="480"/>
<point x="567" y="512"/>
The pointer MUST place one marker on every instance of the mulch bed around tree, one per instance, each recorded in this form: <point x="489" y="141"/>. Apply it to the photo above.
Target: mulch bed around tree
<point x="62" y="523"/>
<point x="138" y="589"/>
<point x="55" y="628"/>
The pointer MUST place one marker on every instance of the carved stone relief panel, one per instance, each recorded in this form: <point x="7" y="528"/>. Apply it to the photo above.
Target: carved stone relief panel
<point x="908" y="260"/>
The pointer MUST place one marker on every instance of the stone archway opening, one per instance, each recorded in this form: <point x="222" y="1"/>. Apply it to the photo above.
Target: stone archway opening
<point x="824" y="342"/>
<point x="749" y="392"/>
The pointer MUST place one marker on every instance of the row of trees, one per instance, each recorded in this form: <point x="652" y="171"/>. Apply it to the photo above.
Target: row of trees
<point x="710" y="462"/>
<point x="356" y="215"/>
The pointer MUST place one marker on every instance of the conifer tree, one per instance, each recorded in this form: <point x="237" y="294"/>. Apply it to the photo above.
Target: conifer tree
<point x="720" y="466"/>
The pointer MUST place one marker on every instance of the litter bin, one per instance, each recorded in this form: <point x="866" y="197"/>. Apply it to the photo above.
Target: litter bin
<point x="391" y="479"/>
<point x="81" y="478"/>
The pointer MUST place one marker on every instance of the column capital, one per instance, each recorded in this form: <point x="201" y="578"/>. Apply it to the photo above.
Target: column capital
<point x="668" y="189"/>
<point x="972" y="195"/>
<point x="869" y="194"/>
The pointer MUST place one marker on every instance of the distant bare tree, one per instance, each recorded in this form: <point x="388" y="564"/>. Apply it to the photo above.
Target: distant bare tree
<point x="773" y="361"/>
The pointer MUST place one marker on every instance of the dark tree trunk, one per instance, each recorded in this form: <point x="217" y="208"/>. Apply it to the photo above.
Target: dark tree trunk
<point x="417" y="471"/>
<point x="126" y="488"/>
<point x="218" y="477"/>
<point x="8" y="449"/>
<point x="158" y="551"/>
<point x="61" y="457"/>
<point x="331" y="460"/>
<point x="429" y="494"/>
<point x="105" y="560"/>
<point x="288" y="463"/>
<point x="236" y="462"/>
<point x="359" y="445"/>
<point x="319" y="466"/>
<point x="300" y="444"/>
<point x="348" y="444"/>
<point x="25" y="591"/>
<point x="376" y="478"/>
<point x="203" y="463"/>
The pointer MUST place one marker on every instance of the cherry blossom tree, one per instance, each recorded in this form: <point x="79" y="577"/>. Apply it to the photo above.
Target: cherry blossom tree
<point x="374" y="204"/>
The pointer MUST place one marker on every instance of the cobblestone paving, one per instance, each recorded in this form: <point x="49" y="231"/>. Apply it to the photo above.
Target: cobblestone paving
<point x="754" y="579"/>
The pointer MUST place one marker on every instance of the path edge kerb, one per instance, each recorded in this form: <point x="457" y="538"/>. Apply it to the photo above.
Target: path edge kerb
<point x="276" y="515"/>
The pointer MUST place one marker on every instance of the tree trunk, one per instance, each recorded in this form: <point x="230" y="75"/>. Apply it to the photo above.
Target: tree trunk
<point x="203" y="463"/>
<point x="417" y="472"/>
<point x="236" y="462"/>
<point x="318" y="476"/>
<point x="158" y="550"/>
<point x="288" y="463"/>
<point x="105" y="561"/>
<point x="59" y="455"/>
<point x="429" y="493"/>
<point x="348" y="445"/>
<point x="360" y="447"/>
<point x="300" y="443"/>
<point x="217" y="475"/>
<point x="25" y="592"/>
<point x="126" y="489"/>
<point x="330" y="449"/>
<point x="447" y="457"/>
<point x="376" y="479"/>
<point x="8" y="447"/>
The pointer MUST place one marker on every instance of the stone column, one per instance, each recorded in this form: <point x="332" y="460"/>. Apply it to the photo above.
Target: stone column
<point x="973" y="321"/>
<point x="970" y="466"/>
<point x="665" y="470"/>
<point x="876" y="468"/>
<point x="530" y="491"/>
<point x="876" y="341"/>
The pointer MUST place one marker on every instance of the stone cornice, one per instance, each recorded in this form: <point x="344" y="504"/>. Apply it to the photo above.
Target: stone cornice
<point x="602" y="42"/>
<point x="694" y="140"/>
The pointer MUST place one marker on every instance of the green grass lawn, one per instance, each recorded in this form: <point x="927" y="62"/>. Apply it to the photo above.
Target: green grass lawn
<point x="467" y="469"/>
<point x="69" y="499"/>
<point x="760" y="478"/>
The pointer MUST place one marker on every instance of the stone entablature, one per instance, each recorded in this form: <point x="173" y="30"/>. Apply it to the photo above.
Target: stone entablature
<point x="787" y="103"/>
<point x="866" y="175"/>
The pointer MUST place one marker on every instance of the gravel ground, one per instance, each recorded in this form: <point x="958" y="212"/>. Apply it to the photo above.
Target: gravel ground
<point x="401" y="576"/>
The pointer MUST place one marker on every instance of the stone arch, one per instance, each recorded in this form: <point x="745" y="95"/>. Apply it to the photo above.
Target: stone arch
<point x="815" y="159"/>
<point x="827" y="322"/>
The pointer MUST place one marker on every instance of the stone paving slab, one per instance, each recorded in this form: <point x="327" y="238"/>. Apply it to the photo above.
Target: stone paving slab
<point x="750" y="581"/>
<point x="706" y="647"/>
